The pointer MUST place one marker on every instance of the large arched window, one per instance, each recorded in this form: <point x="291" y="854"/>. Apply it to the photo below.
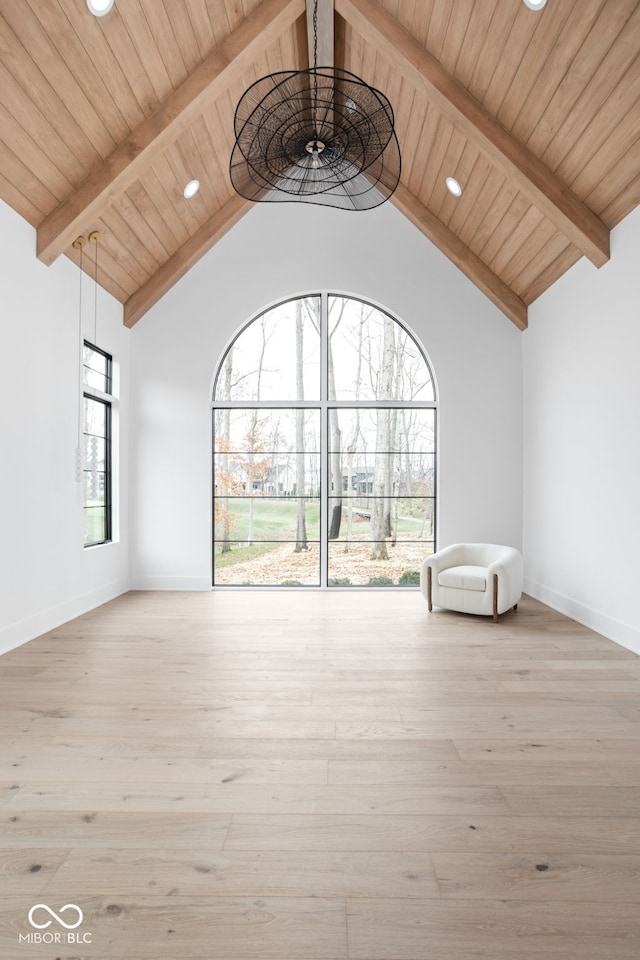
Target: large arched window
<point x="324" y="460"/>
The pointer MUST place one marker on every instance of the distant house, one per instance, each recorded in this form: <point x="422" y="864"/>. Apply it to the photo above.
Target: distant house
<point x="361" y="481"/>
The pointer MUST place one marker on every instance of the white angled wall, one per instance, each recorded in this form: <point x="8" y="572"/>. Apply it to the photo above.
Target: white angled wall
<point x="46" y="576"/>
<point x="278" y="251"/>
<point x="582" y="442"/>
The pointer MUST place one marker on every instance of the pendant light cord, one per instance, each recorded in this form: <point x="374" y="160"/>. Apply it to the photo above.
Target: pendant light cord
<point x="78" y="244"/>
<point x="94" y="237"/>
<point x="95" y="295"/>
<point x="80" y="355"/>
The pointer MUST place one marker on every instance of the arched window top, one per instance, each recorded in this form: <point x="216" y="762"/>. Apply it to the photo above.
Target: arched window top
<point x="371" y="356"/>
<point x="324" y="456"/>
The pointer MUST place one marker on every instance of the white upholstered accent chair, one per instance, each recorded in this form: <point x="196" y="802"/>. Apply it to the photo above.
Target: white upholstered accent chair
<point x="481" y="578"/>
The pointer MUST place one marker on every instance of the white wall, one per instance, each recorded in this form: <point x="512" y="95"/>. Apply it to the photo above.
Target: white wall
<point x="278" y="251"/>
<point x="582" y="442"/>
<point x="46" y="576"/>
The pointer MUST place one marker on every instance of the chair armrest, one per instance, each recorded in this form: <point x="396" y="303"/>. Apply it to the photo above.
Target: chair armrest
<point x="450" y="556"/>
<point x="509" y="571"/>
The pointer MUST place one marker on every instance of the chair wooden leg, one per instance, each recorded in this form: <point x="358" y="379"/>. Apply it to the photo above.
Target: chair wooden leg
<point x="495" y="598"/>
<point x="515" y="606"/>
<point x="429" y="603"/>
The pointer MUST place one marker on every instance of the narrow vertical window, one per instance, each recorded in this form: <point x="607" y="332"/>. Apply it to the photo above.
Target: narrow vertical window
<point x="97" y="445"/>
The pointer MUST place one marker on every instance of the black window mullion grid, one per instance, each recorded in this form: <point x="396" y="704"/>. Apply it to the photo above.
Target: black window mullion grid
<point x="107" y="470"/>
<point x="107" y="466"/>
<point x="324" y="406"/>
<point x="107" y="374"/>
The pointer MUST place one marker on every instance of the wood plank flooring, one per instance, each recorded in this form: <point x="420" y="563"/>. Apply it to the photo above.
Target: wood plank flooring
<point x="306" y="776"/>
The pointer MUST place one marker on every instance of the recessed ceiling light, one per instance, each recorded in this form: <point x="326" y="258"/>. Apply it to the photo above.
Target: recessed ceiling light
<point x="453" y="186"/>
<point x="535" y="4"/>
<point x="191" y="189"/>
<point x="99" y="7"/>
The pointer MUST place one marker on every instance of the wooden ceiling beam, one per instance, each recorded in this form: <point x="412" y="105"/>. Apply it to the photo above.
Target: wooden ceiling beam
<point x="471" y="265"/>
<point x="184" y="258"/>
<point x="571" y="217"/>
<point x="225" y="64"/>
<point x="325" y="32"/>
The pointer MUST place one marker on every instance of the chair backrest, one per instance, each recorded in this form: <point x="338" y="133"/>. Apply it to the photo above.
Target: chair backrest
<point x="482" y="554"/>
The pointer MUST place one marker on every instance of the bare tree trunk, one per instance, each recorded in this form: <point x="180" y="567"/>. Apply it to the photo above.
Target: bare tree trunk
<point x="336" y="453"/>
<point x="408" y="482"/>
<point x="378" y="544"/>
<point x="391" y="505"/>
<point x="379" y="512"/>
<point x="225" y="436"/>
<point x="353" y="440"/>
<point x="251" y="439"/>
<point x="392" y="494"/>
<point x="350" y="476"/>
<point x="301" y="522"/>
<point x="336" y="474"/>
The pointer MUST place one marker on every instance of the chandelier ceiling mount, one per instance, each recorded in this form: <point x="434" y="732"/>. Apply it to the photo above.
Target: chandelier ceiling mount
<point x="320" y="136"/>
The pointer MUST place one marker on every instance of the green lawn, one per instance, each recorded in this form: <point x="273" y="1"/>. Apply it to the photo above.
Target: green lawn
<point x="275" y="521"/>
<point x="272" y="519"/>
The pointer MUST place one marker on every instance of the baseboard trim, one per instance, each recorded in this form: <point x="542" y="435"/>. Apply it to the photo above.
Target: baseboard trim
<point x="171" y="583"/>
<point x="610" y="628"/>
<point x="25" y="630"/>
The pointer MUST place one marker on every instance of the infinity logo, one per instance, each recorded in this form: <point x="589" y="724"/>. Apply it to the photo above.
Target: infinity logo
<point x="57" y="917"/>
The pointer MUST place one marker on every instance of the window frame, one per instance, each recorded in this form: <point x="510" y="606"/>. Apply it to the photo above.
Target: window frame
<point x="324" y="405"/>
<point x="105" y="397"/>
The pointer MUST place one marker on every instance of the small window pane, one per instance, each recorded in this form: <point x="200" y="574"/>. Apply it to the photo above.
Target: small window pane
<point x="406" y="519"/>
<point x="277" y="357"/>
<point x="355" y="563"/>
<point x="266" y="564"/>
<point x="265" y="430"/>
<point x="372" y="357"/>
<point x="95" y="526"/>
<point x="94" y="379"/>
<point x="263" y="519"/>
<point x="268" y="474"/>
<point x="405" y="475"/>
<point x="95" y="418"/>
<point x="402" y="430"/>
<point x="95" y="492"/>
<point x="95" y="452"/>
<point x="96" y="368"/>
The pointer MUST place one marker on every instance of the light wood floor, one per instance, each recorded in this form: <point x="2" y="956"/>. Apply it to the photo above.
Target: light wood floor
<point x="306" y="776"/>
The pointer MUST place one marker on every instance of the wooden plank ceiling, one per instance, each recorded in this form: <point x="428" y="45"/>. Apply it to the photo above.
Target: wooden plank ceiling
<point x="537" y="114"/>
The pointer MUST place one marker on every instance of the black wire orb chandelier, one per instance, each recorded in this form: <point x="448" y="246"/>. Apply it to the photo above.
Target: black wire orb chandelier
<point x="318" y="136"/>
